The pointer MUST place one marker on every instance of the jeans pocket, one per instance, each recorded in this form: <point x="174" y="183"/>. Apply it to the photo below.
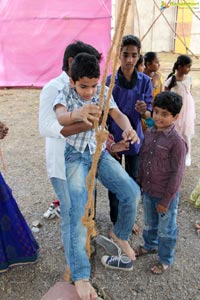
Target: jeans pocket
<point x="71" y="154"/>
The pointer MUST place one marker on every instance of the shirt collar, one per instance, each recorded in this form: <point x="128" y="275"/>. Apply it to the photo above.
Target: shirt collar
<point x="65" y="76"/>
<point x="166" y="131"/>
<point x="124" y="82"/>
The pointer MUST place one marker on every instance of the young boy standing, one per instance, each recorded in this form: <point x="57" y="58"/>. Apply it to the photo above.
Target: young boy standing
<point x="162" y="161"/>
<point x="133" y="95"/>
<point x="75" y="103"/>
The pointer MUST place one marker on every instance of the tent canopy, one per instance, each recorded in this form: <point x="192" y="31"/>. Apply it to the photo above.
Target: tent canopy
<point x="34" y="35"/>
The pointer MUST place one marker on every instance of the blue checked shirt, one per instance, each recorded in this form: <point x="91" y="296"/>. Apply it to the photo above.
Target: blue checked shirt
<point x="72" y="101"/>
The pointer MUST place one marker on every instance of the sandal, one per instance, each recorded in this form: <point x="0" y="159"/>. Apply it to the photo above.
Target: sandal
<point x="159" y="268"/>
<point x="193" y="197"/>
<point x="197" y="202"/>
<point x="197" y="227"/>
<point x="141" y="251"/>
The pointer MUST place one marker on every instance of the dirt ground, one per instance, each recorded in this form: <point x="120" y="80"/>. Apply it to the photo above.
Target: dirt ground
<point x="24" y="154"/>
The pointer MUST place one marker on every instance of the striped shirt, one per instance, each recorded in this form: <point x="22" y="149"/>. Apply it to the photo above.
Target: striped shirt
<point x="72" y="101"/>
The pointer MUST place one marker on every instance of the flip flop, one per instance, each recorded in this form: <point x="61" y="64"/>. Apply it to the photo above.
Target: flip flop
<point x="197" y="227"/>
<point x="159" y="269"/>
<point x="197" y="202"/>
<point x="141" y="251"/>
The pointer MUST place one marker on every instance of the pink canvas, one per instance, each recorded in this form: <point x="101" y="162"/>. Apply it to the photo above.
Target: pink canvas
<point x="34" y="35"/>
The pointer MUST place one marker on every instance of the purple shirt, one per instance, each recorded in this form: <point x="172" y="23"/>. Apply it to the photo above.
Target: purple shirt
<point x="162" y="163"/>
<point x="126" y="98"/>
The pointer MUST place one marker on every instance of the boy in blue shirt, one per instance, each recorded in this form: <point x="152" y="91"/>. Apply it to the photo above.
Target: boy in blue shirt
<point x="133" y="95"/>
<point x="162" y="163"/>
<point x="75" y="103"/>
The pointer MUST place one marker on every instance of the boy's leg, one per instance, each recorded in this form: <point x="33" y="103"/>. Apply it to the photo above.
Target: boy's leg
<point x="150" y="231"/>
<point x="113" y="201"/>
<point x="167" y="233"/>
<point x="131" y="167"/>
<point x="116" y="179"/>
<point x="61" y="189"/>
<point x="77" y="166"/>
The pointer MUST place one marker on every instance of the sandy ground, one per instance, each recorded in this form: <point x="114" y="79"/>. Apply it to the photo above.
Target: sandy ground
<point x="24" y="154"/>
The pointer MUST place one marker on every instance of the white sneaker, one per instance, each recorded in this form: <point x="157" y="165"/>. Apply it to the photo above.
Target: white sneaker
<point x="53" y="211"/>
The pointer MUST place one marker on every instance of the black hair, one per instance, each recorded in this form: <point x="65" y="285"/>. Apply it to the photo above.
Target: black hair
<point x="130" y="39"/>
<point x="182" y="60"/>
<point x="140" y="60"/>
<point x="75" y="48"/>
<point x="149" y="57"/>
<point x="85" y="65"/>
<point x="170" y="101"/>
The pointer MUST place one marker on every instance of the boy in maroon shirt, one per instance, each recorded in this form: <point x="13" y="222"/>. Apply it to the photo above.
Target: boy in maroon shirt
<point x="162" y="162"/>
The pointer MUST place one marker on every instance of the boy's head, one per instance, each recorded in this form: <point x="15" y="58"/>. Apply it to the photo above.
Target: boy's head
<point x="131" y="40"/>
<point x="85" y="73"/>
<point x="75" y="48"/>
<point x="166" y="108"/>
<point x="129" y="52"/>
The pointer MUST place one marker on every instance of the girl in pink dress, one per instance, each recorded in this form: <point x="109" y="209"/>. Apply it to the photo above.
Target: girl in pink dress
<point x="181" y="83"/>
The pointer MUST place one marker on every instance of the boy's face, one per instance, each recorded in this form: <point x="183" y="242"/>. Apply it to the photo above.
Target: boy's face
<point x="163" y="118"/>
<point x="85" y="87"/>
<point x="128" y="57"/>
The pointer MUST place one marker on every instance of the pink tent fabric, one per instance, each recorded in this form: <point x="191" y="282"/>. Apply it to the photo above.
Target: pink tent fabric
<point x="34" y="35"/>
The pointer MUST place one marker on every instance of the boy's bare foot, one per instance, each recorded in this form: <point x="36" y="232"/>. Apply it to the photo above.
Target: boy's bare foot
<point x="124" y="245"/>
<point x="136" y="229"/>
<point x="84" y="290"/>
<point x="159" y="268"/>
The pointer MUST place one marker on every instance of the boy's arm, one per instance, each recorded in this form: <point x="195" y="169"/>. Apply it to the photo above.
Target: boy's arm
<point x="144" y="105"/>
<point x="87" y="113"/>
<point x="75" y="128"/>
<point x="141" y="107"/>
<point x="129" y="134"/>
<point x="178" y="154"/>
<point x="48" y="123"/>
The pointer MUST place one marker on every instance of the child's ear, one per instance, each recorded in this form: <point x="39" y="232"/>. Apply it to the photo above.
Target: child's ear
<point x="70" y="60"/>
<point x="72" y="83"/>
<point x="176" y="117"/>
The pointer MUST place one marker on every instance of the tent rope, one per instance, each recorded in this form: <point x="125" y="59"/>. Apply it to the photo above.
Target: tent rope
<point x="178" y="36"/>
<point x="188" y="5"/>
<point x="162" y="14"/>
<point x="101" y="135"/>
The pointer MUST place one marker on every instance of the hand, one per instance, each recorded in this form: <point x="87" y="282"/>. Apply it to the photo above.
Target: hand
<point x="3" y="130"/>
<point x="140" y="107"/>
<point x="84" y="290"/>
<point x="88" y="113"/>
<point x="130" y="135"/>
<point x="118" y="147"/>
<point x="161" y="209"/>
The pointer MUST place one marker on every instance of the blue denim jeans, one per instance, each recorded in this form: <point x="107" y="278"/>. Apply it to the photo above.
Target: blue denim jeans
<point x="61" y="189"/>
<point x="160" y="229"/>
<point x="111" y="174"/>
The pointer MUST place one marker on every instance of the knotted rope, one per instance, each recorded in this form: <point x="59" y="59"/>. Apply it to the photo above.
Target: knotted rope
<point x="101" y="135"/>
